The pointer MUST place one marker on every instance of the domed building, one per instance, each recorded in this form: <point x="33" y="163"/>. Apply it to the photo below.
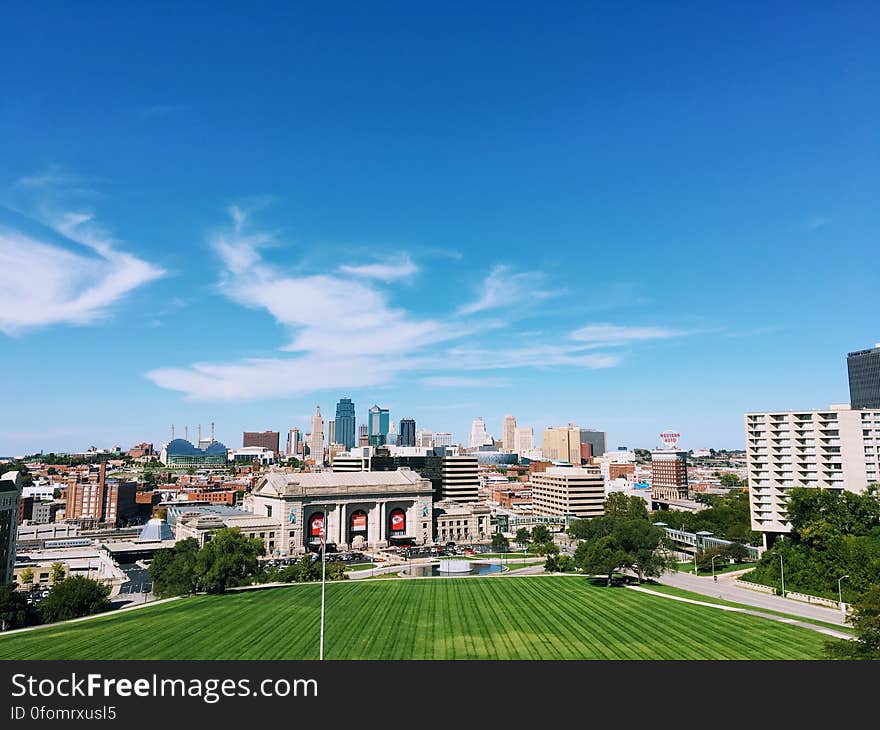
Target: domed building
<point x="180" y="452"/>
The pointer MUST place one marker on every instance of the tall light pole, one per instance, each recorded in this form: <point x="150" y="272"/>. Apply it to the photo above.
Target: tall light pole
<point x="839" y="594"/>
<point x="782" y="574"/>
<point x="323" y="576"/>
<point x="714" y="558"/>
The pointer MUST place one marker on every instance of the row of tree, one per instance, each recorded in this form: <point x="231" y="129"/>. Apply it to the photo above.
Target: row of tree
<point x="228" y="560"/>
<point x="70" y="597"/>
<point x="833" y="534"/>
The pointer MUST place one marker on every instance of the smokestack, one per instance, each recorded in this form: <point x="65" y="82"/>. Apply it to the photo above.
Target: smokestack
<point x="172" y="432"/>
<point x="186" y="432"/>
<point x="200" y="435"/>
<point x="212" y="432"/>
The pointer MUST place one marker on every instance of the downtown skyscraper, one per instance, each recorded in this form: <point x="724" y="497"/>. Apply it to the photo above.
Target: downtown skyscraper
<point x="346" y="425"/>
<point x="379" y="422"/>
<point x="407" y="436"/>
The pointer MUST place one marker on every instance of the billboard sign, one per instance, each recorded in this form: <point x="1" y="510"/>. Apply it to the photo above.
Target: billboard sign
<point x="398" y="521"/>
<point x="316" y="525"/>
<point x="359" y="522"/>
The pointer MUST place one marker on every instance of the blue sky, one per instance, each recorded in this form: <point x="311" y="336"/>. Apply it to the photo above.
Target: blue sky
<point x="633" y="216"/>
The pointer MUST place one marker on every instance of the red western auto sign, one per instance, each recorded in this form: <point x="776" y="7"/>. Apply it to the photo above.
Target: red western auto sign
<point x="359" y="521"/>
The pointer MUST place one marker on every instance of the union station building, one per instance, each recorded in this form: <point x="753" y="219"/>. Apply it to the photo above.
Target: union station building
<point x="359" y="509"/>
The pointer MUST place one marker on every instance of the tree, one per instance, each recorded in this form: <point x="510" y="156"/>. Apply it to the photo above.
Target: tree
<point x="74" y="597"/>
<point x="551" y="564"/>
<point x="704" y="557"/>
<point x="229" y="559"/>
<point x="173" y="570"/>
<point x="865" y="614"/>
<point x="500" y="543"/>
<point x="58" y="571"/>
<point x="541" y="534"/>
<point x="737" y="552"/>
<point x="14" y="611"/>
<point x="522" y="535"/>
<point x="27" y="577"/>
<point x="617" y="504"/>
<point x="602" y="556"/>
<point x="730" y="480"/>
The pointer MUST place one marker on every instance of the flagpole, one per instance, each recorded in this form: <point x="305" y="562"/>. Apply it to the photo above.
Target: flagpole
<point x="323" y="577"/>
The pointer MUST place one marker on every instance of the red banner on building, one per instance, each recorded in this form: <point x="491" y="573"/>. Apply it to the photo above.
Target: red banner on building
<point x="398" y="521"/>
<point x="316" y="525"/>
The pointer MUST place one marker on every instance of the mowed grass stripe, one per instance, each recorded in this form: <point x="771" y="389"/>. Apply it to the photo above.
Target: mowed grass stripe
<point x="488" y="618"/>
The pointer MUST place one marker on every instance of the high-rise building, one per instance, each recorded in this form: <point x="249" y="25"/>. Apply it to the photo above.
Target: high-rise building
<point x="10" y="495"/>
<point x="508" y="435"/>
<point x="264" y="439"/>
<point x="316" y="438"/>
<point x="596" y="440"/>
<point x="424" y="438"/>
<point x="523" y="440"/>
<point x="564" y="490"/>
<point x="363" y="435"/>
<point x="562" y="443"/>
<point x="407" y="435"/>
<point x="346" y="431"/>
<point x="331" y="433"/>
<point x="838" y="448"/>
<point x="379" y="422"/>
<point x="294" y="441"/>
<point x="442" y="438"/>
<point x="479" y="437"/>
<point x="669" y="477"/>
<point x="391" y="439"/>
<point x="864" y="377"/>
<point x="105" y="502"/>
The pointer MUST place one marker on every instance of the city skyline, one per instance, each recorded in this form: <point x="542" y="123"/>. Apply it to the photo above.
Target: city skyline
<point x="614" y="239"/>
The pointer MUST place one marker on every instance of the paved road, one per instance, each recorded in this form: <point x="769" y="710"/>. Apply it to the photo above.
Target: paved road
<point x="137" y="588"/>
<point x="779" y="619"/>
<point x="725" y="589"/>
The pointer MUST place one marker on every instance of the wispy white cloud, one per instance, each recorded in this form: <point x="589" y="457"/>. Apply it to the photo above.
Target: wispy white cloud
<point x="461" y="382"/>
<point x="530" y="356"/>
<point x="343" y="331"/>
<point x="817" y="222"/>
<point x="604" y="335"/>
<point x="502" y="288"/>
<point x="401" y="267"/>
<point x="68" y="268"/>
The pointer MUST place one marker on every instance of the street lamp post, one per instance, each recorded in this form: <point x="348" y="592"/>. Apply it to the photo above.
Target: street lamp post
<point x="839" y="594"/>
<point x="782" y="574"/>
<point x="714" y="557"/>
<point x="323" y="576"/>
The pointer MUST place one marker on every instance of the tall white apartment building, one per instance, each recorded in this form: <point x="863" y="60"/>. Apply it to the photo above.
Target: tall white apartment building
<point x="424" y="437"/>
<point x="523" y="440"/>
<point x="442" y="438"/>
<point x="835" y="448"/>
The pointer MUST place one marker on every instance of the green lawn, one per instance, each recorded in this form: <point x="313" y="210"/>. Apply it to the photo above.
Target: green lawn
<point x="361" y="566"/>
<point x="455" y="618"/>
